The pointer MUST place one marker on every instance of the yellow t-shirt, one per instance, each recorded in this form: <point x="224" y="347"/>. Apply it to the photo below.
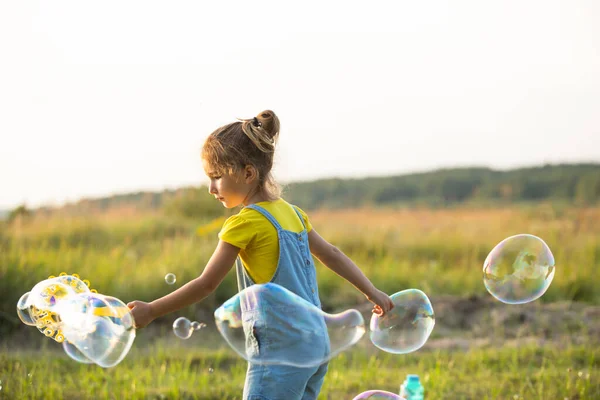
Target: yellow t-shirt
<point x="257" y="238"/>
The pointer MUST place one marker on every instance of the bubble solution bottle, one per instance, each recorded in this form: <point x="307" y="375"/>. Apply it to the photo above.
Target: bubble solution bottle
<point x="411" y="388"/>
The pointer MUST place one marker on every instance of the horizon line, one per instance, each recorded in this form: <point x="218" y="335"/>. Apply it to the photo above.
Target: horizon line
<point x="42" y="205"/>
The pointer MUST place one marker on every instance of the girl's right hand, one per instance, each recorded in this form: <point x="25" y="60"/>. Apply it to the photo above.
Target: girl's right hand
<point x="142" y="313"/>
<point x="383" y="302"/>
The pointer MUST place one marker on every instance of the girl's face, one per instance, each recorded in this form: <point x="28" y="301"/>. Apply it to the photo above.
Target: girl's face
<point x="230" y="190"/>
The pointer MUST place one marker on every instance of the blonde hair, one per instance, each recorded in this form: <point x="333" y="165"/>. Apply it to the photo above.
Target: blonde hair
<point x="246" y="142"/>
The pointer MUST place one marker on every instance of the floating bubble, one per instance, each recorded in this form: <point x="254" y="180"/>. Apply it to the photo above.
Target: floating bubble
<point x="407" y="326"/>
<point x="198" y="325"/>
<point x="170" y="278"/>
<point x="519" y="269"/>
<point x="268" y="324"/>
<point x="182" y="327"/>
<point x="96" y="328"/>
<point x="378" y="395"/>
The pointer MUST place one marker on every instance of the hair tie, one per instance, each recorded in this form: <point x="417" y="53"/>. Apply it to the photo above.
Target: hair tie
<point x="256" y="122"/>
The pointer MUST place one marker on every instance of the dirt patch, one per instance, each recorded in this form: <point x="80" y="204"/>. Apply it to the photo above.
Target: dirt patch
<point x="463" y="323"/>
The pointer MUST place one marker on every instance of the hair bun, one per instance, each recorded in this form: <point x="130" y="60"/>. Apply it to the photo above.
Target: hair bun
<point x="269" y="122"/>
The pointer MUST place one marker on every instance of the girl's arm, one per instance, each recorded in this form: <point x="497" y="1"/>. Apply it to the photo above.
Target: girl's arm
<point x="219" y="264"/>
<point x="334" y="259"/>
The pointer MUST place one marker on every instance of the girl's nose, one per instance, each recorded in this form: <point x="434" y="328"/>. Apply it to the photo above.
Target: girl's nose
<point x="211" y="188"/>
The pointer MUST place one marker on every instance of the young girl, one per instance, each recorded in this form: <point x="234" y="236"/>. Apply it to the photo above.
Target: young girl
<point x="274" y="241"/>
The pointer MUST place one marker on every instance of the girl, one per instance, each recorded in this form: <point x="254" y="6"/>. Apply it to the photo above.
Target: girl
<point x="273" y="240"/>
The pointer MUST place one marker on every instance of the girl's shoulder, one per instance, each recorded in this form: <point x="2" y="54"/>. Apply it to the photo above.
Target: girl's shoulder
<point x="285" y="213"/>
<point x="235" y="221"/>
<point x="237" y="230"/>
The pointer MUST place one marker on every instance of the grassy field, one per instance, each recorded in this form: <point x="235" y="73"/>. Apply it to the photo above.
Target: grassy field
<point x="480" y="349"/>
<point x="155" y="373"/>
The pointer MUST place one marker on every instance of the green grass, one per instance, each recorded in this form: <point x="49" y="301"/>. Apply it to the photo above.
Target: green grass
<point x="438" y="251"/>
<point x="175" y="372"/>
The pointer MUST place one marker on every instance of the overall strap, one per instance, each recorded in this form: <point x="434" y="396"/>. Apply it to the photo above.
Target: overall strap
<point x="243" y="279"/>
<point x="267" y="215"/>
<point x="299" y="216"/>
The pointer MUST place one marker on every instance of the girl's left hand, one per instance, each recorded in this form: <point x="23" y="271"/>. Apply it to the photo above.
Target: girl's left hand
<point x="142" y="313"/>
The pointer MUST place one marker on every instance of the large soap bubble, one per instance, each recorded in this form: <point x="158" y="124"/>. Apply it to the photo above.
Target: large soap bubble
<point x="39" y="305"/>
<point x="268" y="324"/>
<point x="74" y="353"/>
<point x="101" y="327"/>
<point x="407" y="326"/>
<point x="519" y="269"/>
<point x="92" y="327"/>
<point x="378" y="395"/>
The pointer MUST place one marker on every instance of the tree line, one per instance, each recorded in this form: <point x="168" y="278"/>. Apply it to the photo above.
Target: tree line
<point x="570" y="183"/>
<point x="577" y="184"/>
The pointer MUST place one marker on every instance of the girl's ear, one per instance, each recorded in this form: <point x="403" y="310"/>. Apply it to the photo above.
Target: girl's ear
<point x="250" y="173"/>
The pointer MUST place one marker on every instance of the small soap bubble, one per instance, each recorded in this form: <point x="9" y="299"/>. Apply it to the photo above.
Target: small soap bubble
<point x="407" y="326"/>
<point x="170" y="278"/>
<point x="378" y="395"/>
<point x="302" y="334"/>
<point x="182" y="327"/>
<point x="519" y="269"/>
<point x="198" y="325"/>
<point x="23" y="310"/>
<point x="210" y="370"/>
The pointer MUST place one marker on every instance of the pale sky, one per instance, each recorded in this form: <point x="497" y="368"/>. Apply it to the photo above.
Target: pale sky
<point x="106" y="97"/>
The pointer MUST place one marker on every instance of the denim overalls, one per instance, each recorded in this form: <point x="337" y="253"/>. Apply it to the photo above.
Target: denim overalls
<point x="282" y="329"/>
